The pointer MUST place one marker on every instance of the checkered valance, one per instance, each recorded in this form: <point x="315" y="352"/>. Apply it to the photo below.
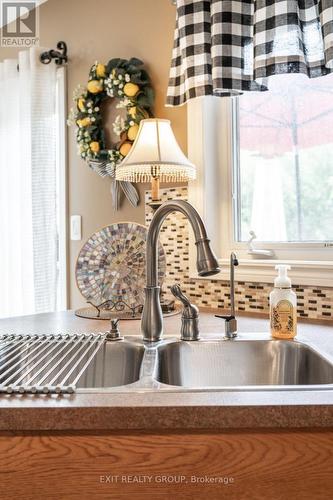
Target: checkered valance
<point x="225" y="47"/>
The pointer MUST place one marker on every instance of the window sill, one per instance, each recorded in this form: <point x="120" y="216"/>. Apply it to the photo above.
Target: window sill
<point x="313" y="273"/>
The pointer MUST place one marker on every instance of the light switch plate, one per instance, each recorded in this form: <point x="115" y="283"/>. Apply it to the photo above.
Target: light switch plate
<point x="76" y="227"/>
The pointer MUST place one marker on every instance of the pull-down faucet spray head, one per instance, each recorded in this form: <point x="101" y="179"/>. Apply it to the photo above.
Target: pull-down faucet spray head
<point x="207" y="264"/>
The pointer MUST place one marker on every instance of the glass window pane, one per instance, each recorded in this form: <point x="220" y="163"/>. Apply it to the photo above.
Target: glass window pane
<point x="286" y="161"/>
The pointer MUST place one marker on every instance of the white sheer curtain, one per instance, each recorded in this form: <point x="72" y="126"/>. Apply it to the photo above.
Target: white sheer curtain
<point x="28" y="225"/>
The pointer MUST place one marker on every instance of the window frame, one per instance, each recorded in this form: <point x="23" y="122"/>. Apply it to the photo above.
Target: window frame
<point x="212" y="140"/>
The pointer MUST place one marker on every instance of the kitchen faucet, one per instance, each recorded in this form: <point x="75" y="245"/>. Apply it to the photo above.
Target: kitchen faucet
<point x="207" y="264"/>
<point x="230" y="319"/>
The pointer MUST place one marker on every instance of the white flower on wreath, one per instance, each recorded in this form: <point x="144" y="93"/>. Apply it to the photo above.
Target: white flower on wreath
<point x="123" y="103"/>
<point x="118" y="125"/>
<point x="114" y="156"/>
<point x="79" y="91"/>
<point x="72" y="117"/>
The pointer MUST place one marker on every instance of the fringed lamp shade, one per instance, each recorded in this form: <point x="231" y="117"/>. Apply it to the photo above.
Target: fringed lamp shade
<point x="155" y="156"/>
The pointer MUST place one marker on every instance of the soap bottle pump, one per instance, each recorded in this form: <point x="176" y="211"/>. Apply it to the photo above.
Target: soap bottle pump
<point x="283" y="306"/>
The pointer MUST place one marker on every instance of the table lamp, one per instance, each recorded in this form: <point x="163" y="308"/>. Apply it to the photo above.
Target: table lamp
<point x="155" y="156"/>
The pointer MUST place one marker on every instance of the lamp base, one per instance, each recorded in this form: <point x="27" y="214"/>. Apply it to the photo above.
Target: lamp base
<point x="155" y="189"/>
<point x="154" y="205"/>
<point x="156" y="202"/>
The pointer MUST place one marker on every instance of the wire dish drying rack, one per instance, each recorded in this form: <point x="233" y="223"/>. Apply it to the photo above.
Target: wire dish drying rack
<point x="45" y="363"/>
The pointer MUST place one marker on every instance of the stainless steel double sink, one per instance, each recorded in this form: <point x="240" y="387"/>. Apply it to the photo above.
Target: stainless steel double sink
<point x="247" y="363"/>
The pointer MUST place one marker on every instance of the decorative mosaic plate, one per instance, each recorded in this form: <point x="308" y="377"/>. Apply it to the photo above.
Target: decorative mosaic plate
<point x="111" y="265"/>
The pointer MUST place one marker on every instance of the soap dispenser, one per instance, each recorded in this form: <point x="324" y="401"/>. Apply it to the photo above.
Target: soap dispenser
<point x="283" y="306"/>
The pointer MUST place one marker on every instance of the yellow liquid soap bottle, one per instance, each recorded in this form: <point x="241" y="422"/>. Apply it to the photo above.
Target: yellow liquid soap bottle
<point x="283" y="306"/>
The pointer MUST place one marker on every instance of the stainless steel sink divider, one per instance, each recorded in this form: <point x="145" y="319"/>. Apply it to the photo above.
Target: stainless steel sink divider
<point x="45" y="363"/>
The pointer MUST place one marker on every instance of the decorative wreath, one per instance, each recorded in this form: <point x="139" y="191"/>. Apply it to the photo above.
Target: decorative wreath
<point x="129" y="82"/>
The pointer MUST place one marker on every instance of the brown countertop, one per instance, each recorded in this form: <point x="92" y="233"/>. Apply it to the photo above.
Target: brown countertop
<point x="162" y="410"/>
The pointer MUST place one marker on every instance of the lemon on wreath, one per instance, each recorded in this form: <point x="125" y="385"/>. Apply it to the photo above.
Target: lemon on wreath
<point x="132" y="111"/>
<point x="94" y="146"/>
<point x="85" y="122"/>
<point x="125" y="148"/>
<point x="95" y="86"/>
<point x="100" y="70"/>
<point x="81" y="104"/>
<point x="131" y="89"/>
<point x="132" y="132"/>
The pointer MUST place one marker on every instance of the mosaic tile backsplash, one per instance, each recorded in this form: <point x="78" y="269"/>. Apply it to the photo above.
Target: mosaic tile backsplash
<point x="313" y="303"/>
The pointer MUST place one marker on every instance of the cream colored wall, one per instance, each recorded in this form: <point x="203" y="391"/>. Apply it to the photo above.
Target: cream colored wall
<point x="100" y="30"/>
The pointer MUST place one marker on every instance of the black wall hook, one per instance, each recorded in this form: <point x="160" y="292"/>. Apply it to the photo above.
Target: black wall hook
<point x="59" y="56"/>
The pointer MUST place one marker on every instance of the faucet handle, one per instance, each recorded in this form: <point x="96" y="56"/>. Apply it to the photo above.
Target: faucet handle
<point x="177" y="292"/>
<point x="190" y="311"/>
<point x="190" y="316"/>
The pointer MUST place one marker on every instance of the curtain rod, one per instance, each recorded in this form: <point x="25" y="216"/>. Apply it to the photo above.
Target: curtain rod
<point x="59" y="56"/>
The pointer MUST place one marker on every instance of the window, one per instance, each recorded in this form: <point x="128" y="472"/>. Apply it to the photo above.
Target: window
<point x="265" y="164"/>
<point x="285" y="162"/>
